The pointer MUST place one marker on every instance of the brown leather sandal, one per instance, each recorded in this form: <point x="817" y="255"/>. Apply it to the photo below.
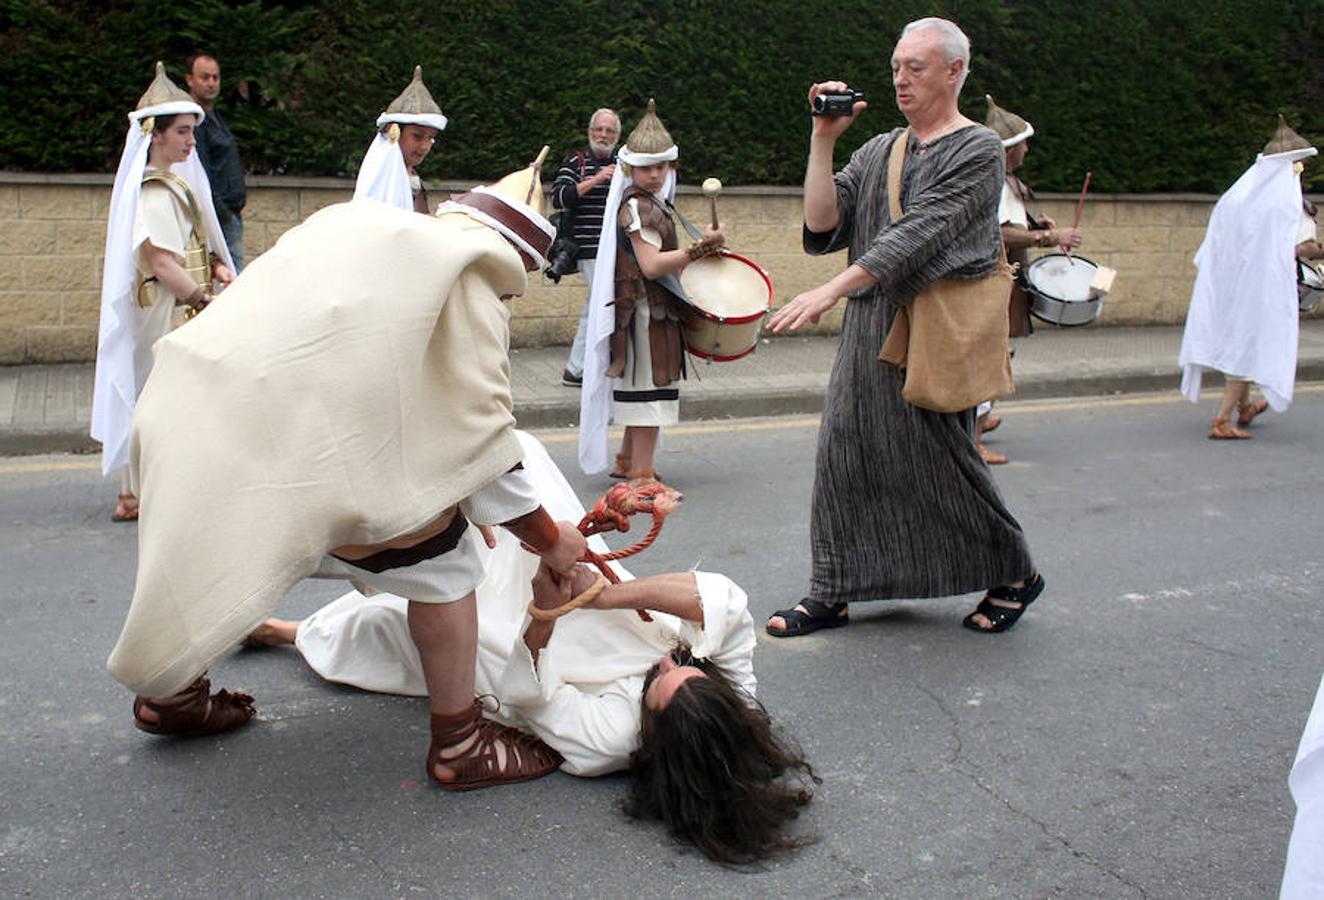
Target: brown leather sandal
<point x="622" y="468"/>
<point x="195" y="711"/>
<point x="1223" y="430"/>
<point x="126" y="508"/>
<point x="1246" y="412"/>
<point x="478" y="764"/>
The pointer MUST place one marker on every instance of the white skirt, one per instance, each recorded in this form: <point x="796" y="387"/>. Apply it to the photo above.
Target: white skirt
<point x="635" y="399"/>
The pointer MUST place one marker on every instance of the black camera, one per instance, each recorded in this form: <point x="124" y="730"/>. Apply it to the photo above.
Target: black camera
<point x="839" y="104"/>
<point x="563" y="257"/>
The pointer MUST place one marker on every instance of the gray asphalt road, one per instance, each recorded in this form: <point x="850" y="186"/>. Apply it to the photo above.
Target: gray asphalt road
<point x="1131" y="737"/>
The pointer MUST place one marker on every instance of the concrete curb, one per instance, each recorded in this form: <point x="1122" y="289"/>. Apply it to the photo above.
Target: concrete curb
<point x="713" y="404"/>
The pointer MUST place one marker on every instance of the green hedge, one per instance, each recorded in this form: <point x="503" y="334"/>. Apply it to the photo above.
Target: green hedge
<point x="1150" y="96"/>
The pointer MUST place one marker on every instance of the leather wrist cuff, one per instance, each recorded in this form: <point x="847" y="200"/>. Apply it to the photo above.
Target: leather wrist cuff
<point x="703" y="247"/>
<point x="535" y="529"/>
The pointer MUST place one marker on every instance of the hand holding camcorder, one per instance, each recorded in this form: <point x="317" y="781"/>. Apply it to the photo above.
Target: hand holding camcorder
<point x="837" y="103"/>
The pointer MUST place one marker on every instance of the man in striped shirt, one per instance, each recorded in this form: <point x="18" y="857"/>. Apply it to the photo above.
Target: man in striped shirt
<point x="580" y="189"/>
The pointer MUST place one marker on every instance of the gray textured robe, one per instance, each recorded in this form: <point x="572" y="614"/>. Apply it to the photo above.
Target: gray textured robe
<point x="903" y="505"/>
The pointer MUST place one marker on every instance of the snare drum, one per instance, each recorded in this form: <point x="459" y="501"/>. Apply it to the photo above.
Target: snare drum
<point x="1309" y="286"/>
<point x="729" y="298"/>
<point x="1059" y="289"/>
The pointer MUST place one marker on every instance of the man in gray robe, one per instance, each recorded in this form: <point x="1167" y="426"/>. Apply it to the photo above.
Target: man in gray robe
<point x="903" y="506"/>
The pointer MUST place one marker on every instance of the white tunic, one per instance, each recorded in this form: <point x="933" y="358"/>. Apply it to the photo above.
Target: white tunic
<point x="1011" y="208"/>
<point x="584" y="694"/>
<point x="163" y="221"/>
<point x="1303" y="874"/>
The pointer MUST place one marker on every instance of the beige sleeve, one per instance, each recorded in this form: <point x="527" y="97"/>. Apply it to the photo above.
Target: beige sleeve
<point x="634" y="223"/>
<point x="161" y="220"/>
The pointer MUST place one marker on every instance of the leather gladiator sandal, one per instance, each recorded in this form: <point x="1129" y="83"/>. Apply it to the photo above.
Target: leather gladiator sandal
<point x="1246" y="412"/>
<point x="126" y="508"/>
<point x="478" y="764"/>
<point x="194" y="711"/>
<point x="1224" y="430"/>
<point x="622" y="468"/>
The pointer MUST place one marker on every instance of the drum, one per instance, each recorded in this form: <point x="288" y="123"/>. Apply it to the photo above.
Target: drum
<point x="1309" y="286"/>
<point x="1060" y="291"/>
<point x="729" y="298"/>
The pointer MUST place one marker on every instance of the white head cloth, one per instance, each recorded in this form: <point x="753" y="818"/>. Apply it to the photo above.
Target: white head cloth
<point x="383" y="175"/>
<point x="1023" y="135"/>
<point x="431" y="120"/>
<point x="1243" y="315"/>
<point x="523" y="210"/>
<point x="595" y="395"/>
<point x="632" y="158"/>
<point x="118" y="383"/>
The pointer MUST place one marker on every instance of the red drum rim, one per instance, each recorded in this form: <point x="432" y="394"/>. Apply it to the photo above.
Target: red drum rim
<point x="737" y="320"/>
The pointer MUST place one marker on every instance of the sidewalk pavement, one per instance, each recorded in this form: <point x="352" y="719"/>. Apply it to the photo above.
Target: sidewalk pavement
<point x="46" y="409"/>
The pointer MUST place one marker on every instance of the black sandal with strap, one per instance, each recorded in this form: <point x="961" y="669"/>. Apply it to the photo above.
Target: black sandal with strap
<point x="815" y="615"/>
<point x="1002" y="618"/>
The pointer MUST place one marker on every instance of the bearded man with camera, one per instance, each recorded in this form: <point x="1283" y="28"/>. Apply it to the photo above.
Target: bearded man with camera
<point x="580" y="191"/>
<point x="903" y="505"/>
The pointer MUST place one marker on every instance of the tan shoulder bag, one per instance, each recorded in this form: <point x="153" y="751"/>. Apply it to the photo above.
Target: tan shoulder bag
<point x="952" y="341"/>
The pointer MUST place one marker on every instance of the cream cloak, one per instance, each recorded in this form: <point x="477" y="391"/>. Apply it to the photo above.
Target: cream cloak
<point x="1242" y="319"/>
<point x="583" y="695"/>
<point x="353" y="384"/>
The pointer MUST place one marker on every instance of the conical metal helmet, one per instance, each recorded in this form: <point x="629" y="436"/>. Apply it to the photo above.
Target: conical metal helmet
<point x="650" y="143"/>
<point x="1285" y="139"/>
<point x="414" y="106"/>
<point x="1008" y="126"/>
<point x="163" y="98"/>
<point x="650" y="135"/>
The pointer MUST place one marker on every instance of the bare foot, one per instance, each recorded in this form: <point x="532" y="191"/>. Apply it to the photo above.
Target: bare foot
<point x="272" y="633"/>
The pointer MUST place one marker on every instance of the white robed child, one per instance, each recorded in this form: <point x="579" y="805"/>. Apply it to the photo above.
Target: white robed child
<point x="1242" y="320"/>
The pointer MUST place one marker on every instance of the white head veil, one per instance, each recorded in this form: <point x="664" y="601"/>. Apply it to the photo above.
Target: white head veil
<point x="383" y="174"/>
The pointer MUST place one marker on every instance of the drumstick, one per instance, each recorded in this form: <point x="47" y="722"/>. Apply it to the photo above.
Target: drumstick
<point x="711" y="188"/>
<point x="1080" y="205"/>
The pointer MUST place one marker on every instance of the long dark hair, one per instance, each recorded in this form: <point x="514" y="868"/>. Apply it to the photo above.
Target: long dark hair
<point x="713" y="769"/>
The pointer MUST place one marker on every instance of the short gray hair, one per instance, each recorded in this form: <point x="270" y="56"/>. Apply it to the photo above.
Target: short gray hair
<point x="604" y="112"/>
<point x="955" y="45"/>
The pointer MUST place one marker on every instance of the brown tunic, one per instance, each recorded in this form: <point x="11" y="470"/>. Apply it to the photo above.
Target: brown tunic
<point x="635" y="293"/>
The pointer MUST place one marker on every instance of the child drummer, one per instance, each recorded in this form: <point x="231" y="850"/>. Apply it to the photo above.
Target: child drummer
<point x="636" y="350"/>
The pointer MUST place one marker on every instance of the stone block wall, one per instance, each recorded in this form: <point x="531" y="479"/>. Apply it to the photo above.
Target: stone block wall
<point x="52" y="236"/>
